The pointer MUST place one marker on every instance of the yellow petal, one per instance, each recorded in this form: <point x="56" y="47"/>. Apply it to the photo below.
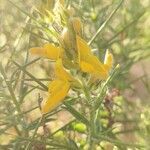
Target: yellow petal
<point x="57" y="95"/>
<point x="83" y="48"/>
<point x="88" y="62"/>
<point x="108" y="61"/>
<point x="48" y="51"/>
<point x="61" y="73"/>
<point x="54" y="86"/>
<point x="77" y="25"/>
<point x="99" y="69"/>
<point x="93" y="60"/>
<point x="94" y="70"/>
<point x="86" y="67"/>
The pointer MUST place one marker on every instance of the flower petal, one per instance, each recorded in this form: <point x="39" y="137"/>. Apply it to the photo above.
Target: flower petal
<point x="61" y="73"/>
<point x="86" y="67"/>
<point x="54" y="86"/>
<point x="57" y="95"/>
<point x="94" y="70"/>
<point x="48" y="51"/>
<point x="77" y="25"/>
<point x="83" y="49"/>
<point x="88" y="62"/>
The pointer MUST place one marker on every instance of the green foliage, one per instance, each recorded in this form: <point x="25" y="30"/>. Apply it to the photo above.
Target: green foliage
<point x="106" y="115"/>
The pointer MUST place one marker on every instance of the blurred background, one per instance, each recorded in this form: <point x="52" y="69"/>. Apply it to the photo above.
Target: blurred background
<point x="126" y="35"/>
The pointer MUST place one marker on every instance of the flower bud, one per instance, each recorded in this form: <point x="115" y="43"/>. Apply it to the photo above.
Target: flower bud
<point x="66" y="38"/>
<point x="77" y="25"/>
<point x="71" y="11"/>
<point x="108" y="61"/>
<point x="80" y="127"/>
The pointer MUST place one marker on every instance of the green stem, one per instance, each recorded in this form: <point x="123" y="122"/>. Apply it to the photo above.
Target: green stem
<point x="34" y="134"/>
<point x="110" y="41"/>
<point x="14" y="99"/>
<point x="31" y="76"/>
<point x="86" y="92"/>
<point x="102" y="94"/>
<point x="10" y="89"/>
<point x="92" y="130"/>
<point x="92" y="112"/>
<point x="105" y="23"/>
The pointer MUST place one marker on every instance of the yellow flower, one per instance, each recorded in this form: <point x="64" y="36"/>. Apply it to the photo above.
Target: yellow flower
<point x="90" y="63"/>
<point x="77" y="25"/>
<point x="48" y="50"/>
<point x="58" y="88"/>
<point x="61" y="73"/>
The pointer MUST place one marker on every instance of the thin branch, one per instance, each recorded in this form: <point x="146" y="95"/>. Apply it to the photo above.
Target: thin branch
<point x="105" y="23"/>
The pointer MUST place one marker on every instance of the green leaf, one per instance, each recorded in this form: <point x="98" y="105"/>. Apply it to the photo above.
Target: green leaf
<point x="76" y="114"/>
